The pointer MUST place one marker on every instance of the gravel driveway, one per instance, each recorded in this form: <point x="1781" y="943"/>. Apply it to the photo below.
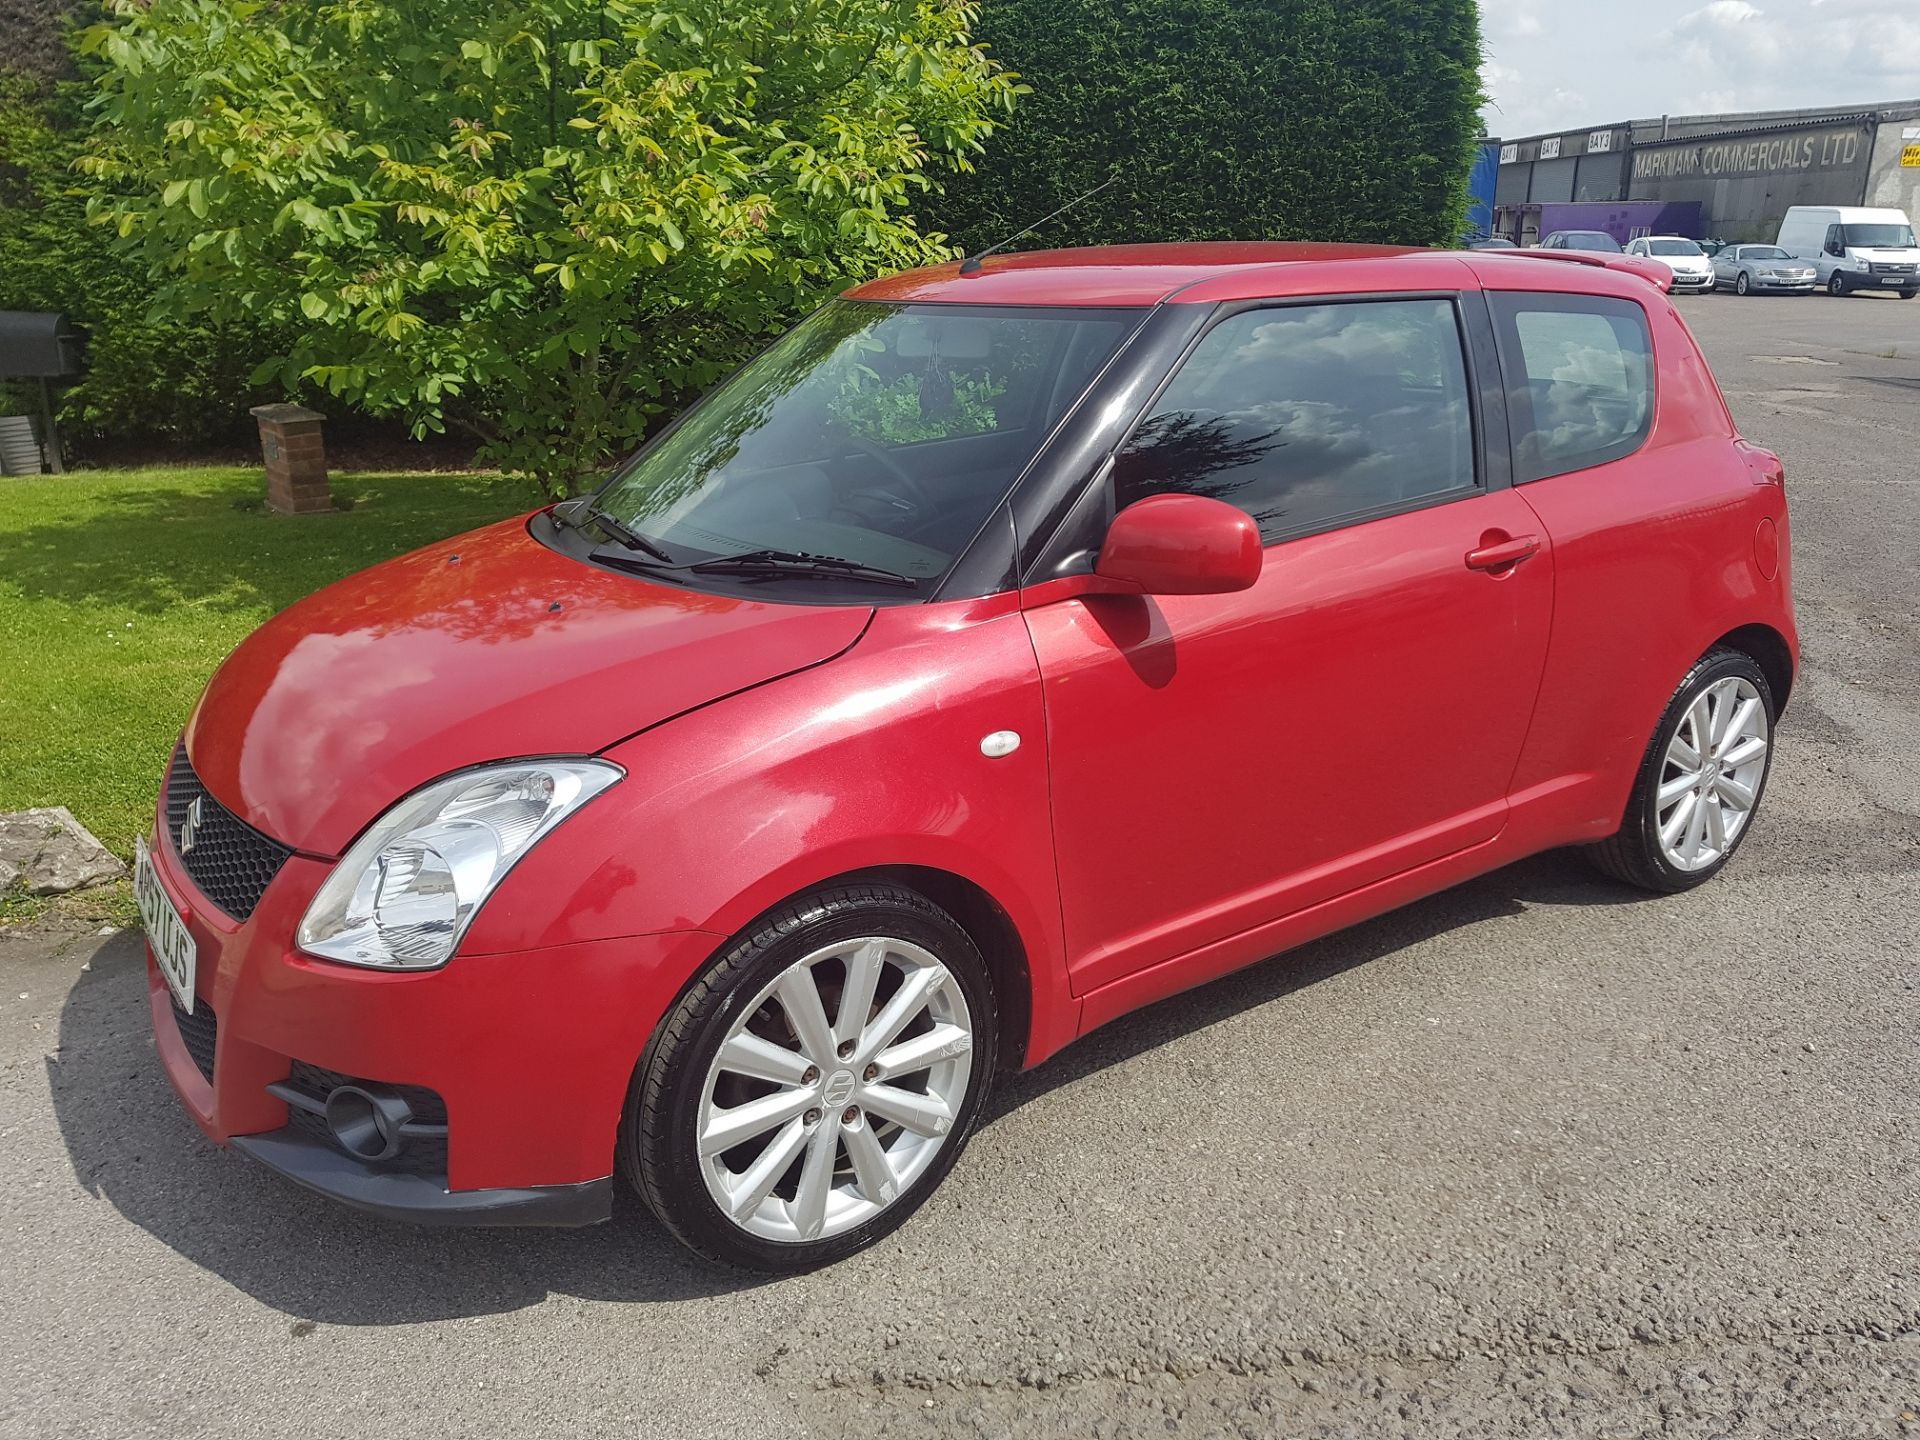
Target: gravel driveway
<point x="1537" y="1157"/>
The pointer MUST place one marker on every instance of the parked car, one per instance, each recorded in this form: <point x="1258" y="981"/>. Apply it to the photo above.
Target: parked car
<point x="1595" y="240"/>
<point x="1758" y="269"/>
<point x="1009" y="646"/>
<point x="1854" y="249"/>
<point x="1683" y="258"/>
<point x="1490" y="242"/>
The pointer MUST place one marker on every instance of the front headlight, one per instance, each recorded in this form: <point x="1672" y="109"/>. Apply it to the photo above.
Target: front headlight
<point x="402" y="897"/>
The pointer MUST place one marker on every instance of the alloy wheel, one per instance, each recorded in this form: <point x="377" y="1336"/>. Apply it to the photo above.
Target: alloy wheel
<point x="835" y="1089"/>
<point x="1711" y="774"/>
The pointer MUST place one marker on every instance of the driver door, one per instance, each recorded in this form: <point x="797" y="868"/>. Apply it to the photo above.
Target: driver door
<point x="1222" y="761"/>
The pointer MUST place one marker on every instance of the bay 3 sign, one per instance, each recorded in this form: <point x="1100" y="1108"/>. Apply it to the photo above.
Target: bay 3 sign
<point x="1825" y="150"/>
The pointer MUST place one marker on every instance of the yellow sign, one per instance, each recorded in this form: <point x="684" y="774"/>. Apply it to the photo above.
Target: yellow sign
<point x="1910" y="157"/>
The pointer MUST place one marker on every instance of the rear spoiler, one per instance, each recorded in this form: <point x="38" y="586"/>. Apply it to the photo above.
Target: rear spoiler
<point x="1651" y="271"/>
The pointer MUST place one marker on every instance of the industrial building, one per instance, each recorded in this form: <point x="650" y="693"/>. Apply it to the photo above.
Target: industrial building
<point x="1726" y="177"/>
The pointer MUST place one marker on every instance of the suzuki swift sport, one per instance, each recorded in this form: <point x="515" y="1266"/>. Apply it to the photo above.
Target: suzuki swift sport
<point x="1008" y="646"/>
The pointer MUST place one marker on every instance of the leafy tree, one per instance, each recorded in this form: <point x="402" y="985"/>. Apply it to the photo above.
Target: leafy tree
<point x="544" y="221"/>
<point x="1230" y="119"/>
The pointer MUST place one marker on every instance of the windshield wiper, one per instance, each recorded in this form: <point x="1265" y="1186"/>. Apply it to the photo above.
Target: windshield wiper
<point x="798" y="562"/>
<point x="584" y="510"/>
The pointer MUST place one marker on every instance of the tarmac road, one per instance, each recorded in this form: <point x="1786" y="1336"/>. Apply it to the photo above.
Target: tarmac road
<point x="1536" y="1157"/>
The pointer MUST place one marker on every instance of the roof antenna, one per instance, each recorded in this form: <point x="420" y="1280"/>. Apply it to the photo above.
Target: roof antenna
<point x="971" y="265"/>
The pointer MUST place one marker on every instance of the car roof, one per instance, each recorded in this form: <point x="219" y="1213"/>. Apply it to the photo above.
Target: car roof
<point x="1851" y="214"/>
<point x="1124" y="275"/>
<point x="1215" y="271"/>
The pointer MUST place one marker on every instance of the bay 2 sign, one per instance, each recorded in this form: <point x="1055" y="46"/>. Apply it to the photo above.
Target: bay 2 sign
<point x="1822" y="150"/>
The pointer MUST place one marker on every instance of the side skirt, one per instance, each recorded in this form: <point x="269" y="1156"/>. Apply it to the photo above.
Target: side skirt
<point x="1249" y="947"/>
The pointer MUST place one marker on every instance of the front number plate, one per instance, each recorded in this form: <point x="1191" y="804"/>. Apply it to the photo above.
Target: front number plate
<point x="166" y="932"/>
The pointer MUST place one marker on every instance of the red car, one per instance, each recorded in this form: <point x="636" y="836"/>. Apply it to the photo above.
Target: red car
<point x="1007" y="647"/>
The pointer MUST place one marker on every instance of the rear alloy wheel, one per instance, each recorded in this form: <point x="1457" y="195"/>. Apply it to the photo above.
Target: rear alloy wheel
<point x="1701" y="781"/>
<point x="814" y="1086"/>
<point x="1742" y="285"/>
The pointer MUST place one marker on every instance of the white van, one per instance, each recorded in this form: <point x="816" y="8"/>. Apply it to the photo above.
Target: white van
<point x="1854" y="249"/>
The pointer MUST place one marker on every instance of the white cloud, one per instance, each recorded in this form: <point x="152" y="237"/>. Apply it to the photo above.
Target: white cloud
<point x="1579" y="63"/>
<point x="1723" y="12"/>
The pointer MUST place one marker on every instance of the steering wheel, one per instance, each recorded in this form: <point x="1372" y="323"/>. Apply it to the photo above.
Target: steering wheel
<point x="911" y="497"/>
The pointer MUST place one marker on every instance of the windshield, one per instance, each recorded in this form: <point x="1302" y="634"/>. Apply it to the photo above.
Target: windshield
<point x="1764" y="252"/>
<point x="1881" y="237"/>
<point x="881" y="434"/>
<point x="1673" y="247"/>
<point x="1591" y="240"/>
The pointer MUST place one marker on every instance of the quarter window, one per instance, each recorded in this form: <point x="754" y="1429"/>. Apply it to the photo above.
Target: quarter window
<point x="1579" y="373"/>
<point x="1303" y="415"/>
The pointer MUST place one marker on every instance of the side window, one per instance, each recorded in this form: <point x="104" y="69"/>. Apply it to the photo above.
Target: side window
<point x="1834" y="244"/>
<point x="1306" y="414"/>
<point x="1579" y="374"/>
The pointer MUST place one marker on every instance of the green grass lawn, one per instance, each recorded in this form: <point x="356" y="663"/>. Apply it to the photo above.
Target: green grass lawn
<point x="122" y="591"/>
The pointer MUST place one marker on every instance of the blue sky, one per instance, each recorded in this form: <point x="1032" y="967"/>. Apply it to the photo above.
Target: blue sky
<point x="1572" y="64"/>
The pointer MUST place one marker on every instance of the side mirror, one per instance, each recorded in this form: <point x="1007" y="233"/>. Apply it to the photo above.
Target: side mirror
<point x="1181" y="545"/>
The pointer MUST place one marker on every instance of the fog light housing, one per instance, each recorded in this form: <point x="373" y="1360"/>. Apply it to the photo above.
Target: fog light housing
<point x="366" y="1124"/>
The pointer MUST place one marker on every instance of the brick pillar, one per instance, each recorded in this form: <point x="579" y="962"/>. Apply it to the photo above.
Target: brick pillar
<point x="296" y="459"/>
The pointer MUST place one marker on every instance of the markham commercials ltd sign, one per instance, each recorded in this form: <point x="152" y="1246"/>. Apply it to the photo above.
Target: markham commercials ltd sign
<point x="1733" y="159"/>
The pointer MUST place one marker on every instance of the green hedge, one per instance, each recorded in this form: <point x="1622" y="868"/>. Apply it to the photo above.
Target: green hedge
<point x="33" y="35"/>
<point x="1228" y="119"/>
<point x="146" y="377"/>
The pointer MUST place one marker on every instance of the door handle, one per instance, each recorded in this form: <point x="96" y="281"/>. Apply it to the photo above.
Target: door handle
<point x="1503" y="555"/>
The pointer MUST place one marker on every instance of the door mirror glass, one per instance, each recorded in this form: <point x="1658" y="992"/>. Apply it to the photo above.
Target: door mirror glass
<point x="1181" y="545"/>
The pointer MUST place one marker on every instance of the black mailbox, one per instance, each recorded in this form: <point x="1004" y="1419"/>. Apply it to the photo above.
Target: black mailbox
<point x="37" y="345"/>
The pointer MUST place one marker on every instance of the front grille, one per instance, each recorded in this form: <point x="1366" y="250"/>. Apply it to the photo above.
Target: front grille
<point x="198" y="1032"/>
<point x="1892" y="269"/>
<point x="229" y="860"/>
<point x="421" y="1155"/>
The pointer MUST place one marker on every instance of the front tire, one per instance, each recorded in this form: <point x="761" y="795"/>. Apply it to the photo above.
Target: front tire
<point x="1701" y="782"/>
<point x="1837" y="285"/>
<point x="1743" y="285"/>
<point x="815" y="1084"/>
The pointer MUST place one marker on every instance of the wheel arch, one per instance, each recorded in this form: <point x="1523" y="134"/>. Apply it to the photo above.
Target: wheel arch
<point x="1769" y="650"/>
<point x="977" y="912"/>
<point x="986" y="921"/>
<point x="992" y="930"/>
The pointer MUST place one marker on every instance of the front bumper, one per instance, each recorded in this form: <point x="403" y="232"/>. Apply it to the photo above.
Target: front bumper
<point x="1891" y="281"/>
<point x="1776" y="283"/>
<point x="531" y="1051"/>
<point x="321" y="1167"/>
